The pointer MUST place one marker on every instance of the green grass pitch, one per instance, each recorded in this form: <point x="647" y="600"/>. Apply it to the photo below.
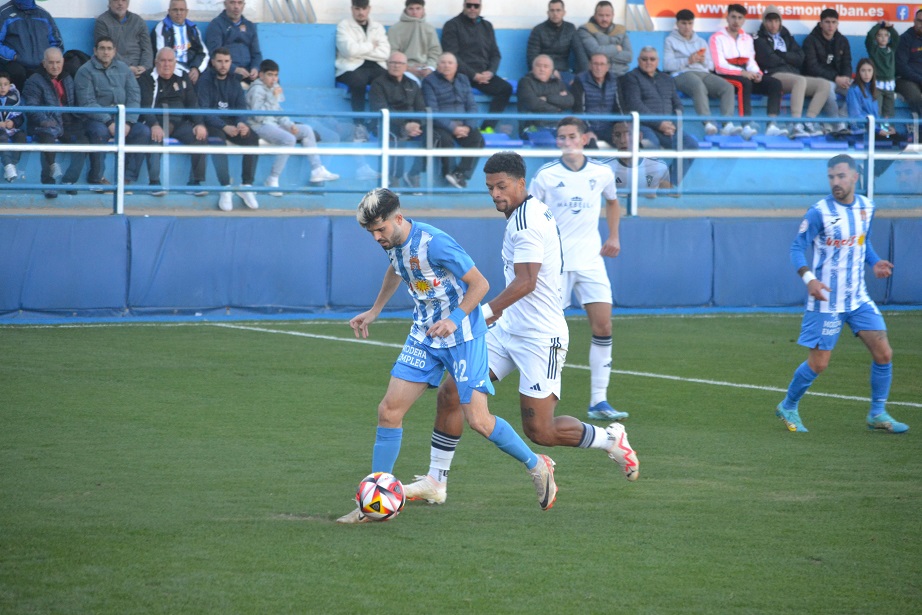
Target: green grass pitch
<point x="199" y="468"/>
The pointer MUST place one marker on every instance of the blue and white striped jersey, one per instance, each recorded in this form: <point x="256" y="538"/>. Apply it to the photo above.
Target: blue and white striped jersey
<point x="432" y="264"/>
<point x="839" y="236"/>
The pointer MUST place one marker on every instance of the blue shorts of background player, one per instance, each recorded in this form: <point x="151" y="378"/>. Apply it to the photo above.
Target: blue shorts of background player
<point x="468" y="363"/>
<point x="821" y="329"/>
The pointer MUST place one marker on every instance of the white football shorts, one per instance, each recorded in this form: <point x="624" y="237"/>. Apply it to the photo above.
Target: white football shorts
<point x="590" y="286"/>
<point x="539" y="361"/>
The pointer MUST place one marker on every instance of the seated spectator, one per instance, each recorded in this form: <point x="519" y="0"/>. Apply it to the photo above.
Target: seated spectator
<point x="129" y="33"/>
<point x="882" y="42"/>
<point x="595" y="92"/>
<point x="828" y="55"/>
<point x="779" y="55"/>
<point x="448" y="91"/>
<point x="397" y="92"/>
<point x="649" y="91"/>
<point x="601" y="35"/>
<point x="231" y="30"/>
<point x="540" y="91"/>
<point x="653" y="173"/>
<point x="105" y="81"/>
<point x="556" y="39"/>
<point x="734" y="56"/>
<point x="50" y="86"/>
<point x="265" y="94"/>
<point x="11" y="131"/>
<point x="183" y="37"/>
<point x="219" y="88"/>
<point x="362" y="49"/>
<point x="909" y="65"/>
<point x="26" y="30"/>
<point x="472" y="41"/>
<point x="862" y="101"/>
<point x="417" y="39"/>
<point x="687" y="59"/>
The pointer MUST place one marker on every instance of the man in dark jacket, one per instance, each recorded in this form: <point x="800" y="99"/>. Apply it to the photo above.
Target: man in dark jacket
<point x="25" y="32"/>
<point x="596" y="92"/>
<point x="184" y="38"/>
<point x="448" y="91"/>
<point x="472" y="41"/>
<point x="828" y="55"/>
<point x="233" y="31"/>
<point x="649" y="91"/>
<point x="161" y="88"/>
<point x="909" y="65"/>
<point x="541" y="92"/>
<point x="219" y="88"/>
<point x="554" y="38"/>
<point x="398" y="93"/>
<point x="50" y="86"/>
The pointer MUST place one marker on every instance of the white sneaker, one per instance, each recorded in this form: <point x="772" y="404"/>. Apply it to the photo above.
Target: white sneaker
<point x="748" y="132"/>
<point x="56" y="171"/>
<point x="772" y="130"/>
<point x="426" y="488"/>
<point x="273" y="182"/>
<point x="226" y="201"/>
<point x="621" y="452"/>
<point x="320" y="174"/>
<point x="730" y="129"/>
<point x="9" y="172"/>
<point x="543" y="478"/>
<point x="249" y="198"/>
<point x="355" y="516"/>
<point x="800" y="131"/>
<point x="360" y="134"/>
<point x="710" y="128"/>
<point x="813" y="130"/>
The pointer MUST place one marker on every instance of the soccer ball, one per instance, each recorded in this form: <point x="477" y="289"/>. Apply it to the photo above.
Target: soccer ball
<point x="380" y="496"/>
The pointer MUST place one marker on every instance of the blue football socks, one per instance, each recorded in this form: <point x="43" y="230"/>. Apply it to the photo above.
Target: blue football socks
<point x="507" y="440"/>
<point x="881" y="377"/>
<point x="803" y="378"/>
<point x="387" y="447"/>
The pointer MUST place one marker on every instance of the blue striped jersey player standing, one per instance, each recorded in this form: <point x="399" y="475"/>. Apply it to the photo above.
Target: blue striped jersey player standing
<point x="837" y="227"/>
<point x="447" y="335"/>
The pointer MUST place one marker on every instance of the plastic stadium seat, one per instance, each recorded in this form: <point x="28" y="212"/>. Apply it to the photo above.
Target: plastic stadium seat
<point x="500" y="139"/>
<point x="823" y="143"/>
<point x="733" y="142"/>
<point x="778" y="142"/>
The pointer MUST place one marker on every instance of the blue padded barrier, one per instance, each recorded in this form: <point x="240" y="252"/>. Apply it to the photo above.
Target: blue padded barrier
<point x="906" y="282"/>
<point x="64" y="264"/>
<point x="211" y="263"/>
<point x="882" y="240"/>
<point x="663" y="263"/>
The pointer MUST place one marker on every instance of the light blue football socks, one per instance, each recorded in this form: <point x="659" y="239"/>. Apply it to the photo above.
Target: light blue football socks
<point x="387" y="447"/>
<point x="507" y="440"/>
<point x="881" y="377"/>
<point x="803" y="378"/>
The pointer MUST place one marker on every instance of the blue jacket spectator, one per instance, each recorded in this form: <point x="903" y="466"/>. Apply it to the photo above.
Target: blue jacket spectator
<point x="595" y="92"/>
<point x="238" y="34"/>
<point x="449" y="96"/>
<point x="26" y="30"/>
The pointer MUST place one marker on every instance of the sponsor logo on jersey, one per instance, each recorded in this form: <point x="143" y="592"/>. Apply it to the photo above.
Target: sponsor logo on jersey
<point x="845" y="242"/>
<point x="422" y="286"/>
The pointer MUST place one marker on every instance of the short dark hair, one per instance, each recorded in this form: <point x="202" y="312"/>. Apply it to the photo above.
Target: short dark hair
<point x="737" y="8"/>
<point x="411" y="2"/>
<point x="601" y="4"/>
<point x="378" y="204"/>
<point x="360" y="4"/>
<point x="572" y="120"/>
<point x="829" y="13"/>
<point x="840" y="159"/>
<point x="268" y="65"/>
<point x="509" y="163"/>
<point x="685" y="15"/>
<point x="5" y="75"/>
<point x="221" y="51"/>
<point x="103" y="39"/>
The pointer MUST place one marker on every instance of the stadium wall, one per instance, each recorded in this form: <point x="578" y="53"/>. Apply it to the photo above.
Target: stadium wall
<point x="126" y="265"/>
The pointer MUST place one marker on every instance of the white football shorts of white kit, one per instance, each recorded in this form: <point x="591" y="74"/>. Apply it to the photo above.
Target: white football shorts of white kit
<point x="538" y="359"/>
<point x="590" y="285"/>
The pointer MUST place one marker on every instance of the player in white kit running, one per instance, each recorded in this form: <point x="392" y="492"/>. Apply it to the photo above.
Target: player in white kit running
<point x="573" y="186"/>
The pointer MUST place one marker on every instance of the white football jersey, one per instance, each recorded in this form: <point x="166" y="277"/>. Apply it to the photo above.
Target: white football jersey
<point x="575" y="198"/>
<point x="532" y="237"/>
<point x="652" y="173"/>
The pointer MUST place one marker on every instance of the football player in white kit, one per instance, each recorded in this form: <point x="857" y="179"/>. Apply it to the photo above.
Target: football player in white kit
<point x="573" y="186"/>
<point x="530" y="334"/>
<point x="837" y="227"/>
<point x="653" y="173"/>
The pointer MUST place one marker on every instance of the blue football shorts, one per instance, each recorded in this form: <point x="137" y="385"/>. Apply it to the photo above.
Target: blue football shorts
<point x="466" y="362"/>
<point x="821" y="329"/>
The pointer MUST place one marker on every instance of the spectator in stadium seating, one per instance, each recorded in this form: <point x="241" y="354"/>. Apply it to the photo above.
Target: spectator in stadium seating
<point x="50" y="86"/>
<point x="687" y="59"/>
<point x="827" y="55"/>
<point x="863" y="100"/>
<point x="649" y="91"/>
<point x="779" y="55"/>
<point x="397" y="92"/>
<point x="556" y="39"/>
<point x="909" y="65"/>
<point x="595" y="92"/>
<point x="881" y="43"/>
<point x="184" y="38"/>
<point x="601" y="35"/>
<point x="26" y="30"/>
<point x="219" y="88"/>
<point x="106" y="81"/>
<point x="541" y="91"/>
<point x="449" y="91"/>
<point x="11" y="121"/>
<point x="231" y="30"/>
<point x="129" y="33"/>
<point x="265" y="94"/>
<point x="362" y="49"/>
<point x="472" y="41"/>
<point x="652" y="173"/>
<point x="417" y="39"/>
<point x="734" y="56"/>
